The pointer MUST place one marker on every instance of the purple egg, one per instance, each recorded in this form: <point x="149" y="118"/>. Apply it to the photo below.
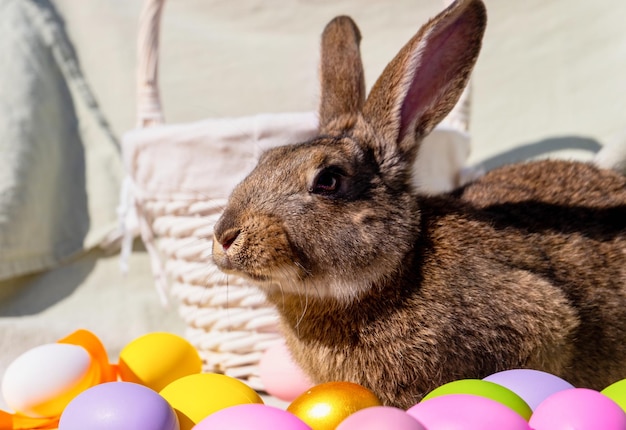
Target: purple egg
<point x="580" y="409"/>
<point x="466" y="412"/>
<point x="534" y="386"/>
<point x="255" y="416"/>
<point x="118" y="406"/>
<point x="380" y="418"/>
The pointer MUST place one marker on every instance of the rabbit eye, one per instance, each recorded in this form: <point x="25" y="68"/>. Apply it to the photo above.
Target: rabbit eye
<point x="327" y="182"/>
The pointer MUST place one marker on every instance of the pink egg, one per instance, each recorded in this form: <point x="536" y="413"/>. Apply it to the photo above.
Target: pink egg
<point x="380" y="418"/>
<point x="251" y="416"/>
<point x="466" y="412"/>
<point x="280" y="375"/>
<point x="580" y="409"/>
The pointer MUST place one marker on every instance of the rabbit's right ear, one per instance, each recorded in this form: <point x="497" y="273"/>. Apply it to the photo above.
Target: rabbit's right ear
<point x="341" y="72"/>
<point x="424" y="81"/>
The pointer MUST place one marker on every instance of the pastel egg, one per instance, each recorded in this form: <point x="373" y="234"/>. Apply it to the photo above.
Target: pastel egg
<point x="580" y="409"/>
<point x="252" y="416"/>
<point x="380" y="418"/>
<point x="466" y="412"/>
<point x="196" y="396"/>
<point x="118" y="406"/>
<point x="42" y="381"/>
<point x="156" y="359"/>
<point x="280" y="375"/>
<point x="93" y="345"/>
<point x="534" y="386"/>
<point x="486" y="389"/>
<point x="324" y="406"/>
<point x="617" y="393"/>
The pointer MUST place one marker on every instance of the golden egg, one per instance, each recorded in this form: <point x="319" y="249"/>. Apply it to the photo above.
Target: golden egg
<point x="324" y="406"/>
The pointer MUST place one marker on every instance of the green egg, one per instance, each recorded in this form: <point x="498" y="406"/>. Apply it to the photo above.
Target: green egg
<point x="486" y="389"/>
<point x="617" y="393"/>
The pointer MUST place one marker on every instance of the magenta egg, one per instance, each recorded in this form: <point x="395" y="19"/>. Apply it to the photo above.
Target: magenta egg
<point x="580" y="409"/>
<point x="466" y="412"/>
<point x="251" y="416"/>
<point x="118" y="406"/>
<point x="380" y="418"/>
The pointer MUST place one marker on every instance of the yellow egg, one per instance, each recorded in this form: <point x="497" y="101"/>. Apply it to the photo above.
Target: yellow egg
<point x="156" y="359"/>
<point x="194" y="397"/>
<point x="43" y="380"/>
<point x="324" y="406"/>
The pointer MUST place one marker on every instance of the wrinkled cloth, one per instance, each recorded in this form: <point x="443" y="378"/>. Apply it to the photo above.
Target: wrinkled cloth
<point x="60" y="167"/>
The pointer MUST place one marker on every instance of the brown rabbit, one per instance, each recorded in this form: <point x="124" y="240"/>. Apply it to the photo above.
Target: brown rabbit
<point x="400" y="292"/>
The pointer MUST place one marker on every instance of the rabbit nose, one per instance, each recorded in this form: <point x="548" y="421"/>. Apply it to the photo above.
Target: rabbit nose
<point x="227" y="238"/>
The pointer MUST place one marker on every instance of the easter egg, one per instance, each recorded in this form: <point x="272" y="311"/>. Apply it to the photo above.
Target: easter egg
<point x="466" y="412"/>
<point x="196" y="396"/>
<point x="324" y="406"/>
<point x="252" y="416"/>
<point x="118" y="406"/>
<point x="43" y="380"/>
<point x="534" y="386"/>
<point x="93" y="345"/>
<point x="380" y="418"/>
<point x="156" y="359"/>
<point x="280" y="375"/>
<point x="482" y="388"/>
<point x="580" y="409"/>
<point x="617" y="393"/>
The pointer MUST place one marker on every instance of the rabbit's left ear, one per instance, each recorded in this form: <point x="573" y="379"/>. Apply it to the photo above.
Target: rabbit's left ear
<point x="424" y="81"/>
<point x="341" y="74"/>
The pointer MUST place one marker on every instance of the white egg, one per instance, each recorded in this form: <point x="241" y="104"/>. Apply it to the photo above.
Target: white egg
<point x="43" y="380"/>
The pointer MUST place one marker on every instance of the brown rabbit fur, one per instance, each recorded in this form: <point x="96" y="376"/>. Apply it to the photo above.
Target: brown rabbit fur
<point x="401" y="292"/>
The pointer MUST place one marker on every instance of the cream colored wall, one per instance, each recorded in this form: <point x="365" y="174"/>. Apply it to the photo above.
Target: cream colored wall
<point x="548" y="68"/>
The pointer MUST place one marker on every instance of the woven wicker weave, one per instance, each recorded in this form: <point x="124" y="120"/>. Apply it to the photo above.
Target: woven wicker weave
<point x="180" y="176"/>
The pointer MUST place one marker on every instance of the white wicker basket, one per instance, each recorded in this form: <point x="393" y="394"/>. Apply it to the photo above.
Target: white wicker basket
<point x="179" y="177"/>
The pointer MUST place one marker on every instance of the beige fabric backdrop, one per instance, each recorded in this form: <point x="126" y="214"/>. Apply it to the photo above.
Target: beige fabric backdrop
<point x="548" y="69"/>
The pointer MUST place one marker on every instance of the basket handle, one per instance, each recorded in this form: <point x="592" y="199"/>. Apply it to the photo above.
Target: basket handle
<point x="149" y="111"/>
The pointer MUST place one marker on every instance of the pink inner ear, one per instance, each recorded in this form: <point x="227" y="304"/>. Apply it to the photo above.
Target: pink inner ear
<point x="441" y="57"/>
